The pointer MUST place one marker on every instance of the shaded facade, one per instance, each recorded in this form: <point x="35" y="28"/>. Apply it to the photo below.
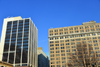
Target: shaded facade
<point x="63" y="41"/>
<point x="43" y="60"/>
<point x="19" y="42"/>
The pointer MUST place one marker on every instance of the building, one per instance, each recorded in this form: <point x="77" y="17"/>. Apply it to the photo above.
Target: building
<point x="5" y="64"/>
<point x="19" y="42"/>
<point x="43" y="60"/>
<point x="63" y="40"/>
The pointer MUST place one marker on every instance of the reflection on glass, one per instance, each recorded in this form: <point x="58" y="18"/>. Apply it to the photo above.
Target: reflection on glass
<point x="11" y="58"/>
<point x="5" y="56"/>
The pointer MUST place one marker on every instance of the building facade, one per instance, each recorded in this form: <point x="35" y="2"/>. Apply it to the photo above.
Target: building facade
<point x="19" y="42"/>
<point x="62" y="41"/>
<point x="43" y="60"/>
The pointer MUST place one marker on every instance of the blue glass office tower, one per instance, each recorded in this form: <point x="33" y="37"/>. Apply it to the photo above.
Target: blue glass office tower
<point x="19" y="42"/>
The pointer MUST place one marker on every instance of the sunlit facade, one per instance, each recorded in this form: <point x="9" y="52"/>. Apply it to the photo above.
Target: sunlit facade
<point x="19" y="42"/>
<point x="63" y="41"/>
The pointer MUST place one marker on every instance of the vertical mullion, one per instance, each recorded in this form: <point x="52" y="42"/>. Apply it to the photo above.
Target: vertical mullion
<point x="22" y="44"/>
<point x="16" y="43"/>
<point x="28" y="43"/>
<point x="10" y="42"/>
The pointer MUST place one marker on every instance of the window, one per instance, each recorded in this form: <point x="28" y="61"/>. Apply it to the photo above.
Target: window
<point x="89" y="38"/>
<point x="92" y="29"/>
<point x="89" y="41"/>
<point x="51" y="48"/>
<point x="51" y="45"/>
<point x="63" y="62"/>
<point x="96" y="25"/>
<point x="72" y="43"/>
<point x="94" y="41"/>
<point x="62" y="44"/>
<point x="67" y="47"/>
<point x="94" y="37"/>
<point x="81" y="30"/>
<point x="67" y="43"/>
<point x="57" y="51"/>
<point x="68" y="50"/>
<point x="62" y="54"/>
<point x="63" y="58"/>
<point x="68" y="57"/>
<point x="93" y="34"/>
<point x="58" y="58"/>
<point x="98" y="37"/>
<point x="86" y="27"/>
<point x="58" y="63"/>
<point x="81" y="27"/>
<point x="51" y="51"/>
<point x="51" y="38"/>
<point x="87" y="30"/>
<point x="52" y="55"/>
<point x="72" y="40"/>
<point x="51" y="34"/>
<point x="66" y="36"/>
<point x="56" y="38"/>
<point x="57" y="54"/>
<point x="51" y="30"/>
<point x="73" y="49"/>
<point x="51" y="41"/>
<point x="66" y="32"/>
<point x="62" y="47"/>
<point x="95" y="44"/>
<point x="66" y="29"/>
<point x="78" y="39"/>
<point x="76" y="31"/>
<point x="98" y="33"/>
<point x="62" y="50"/>
<point x="52" y="65"/>
<point x="56" y="30"/>
<point x="75" y="28"/>
<point x="60" y="29"/>
<point x="61" y="41"/>
<point x="71" y="31"/>
<point x="52" y="62"/>
<point x="52" y="58"/>
<point x="61" y="37"/>
<point x="57" y="44"/>
<point x="56" y="33"/>
<point x="83" y="39"/>
<point x="73" y="46"/>
<point x="57" y="47"/>
<point x="70" y="28"/>
<point x="96" y="48"/>
<point x="91" y="26"/>
<point x="98" y="29"/>
<point x="56" y="41"/>
<point x="61" y="33"/>
<point x="68" y="53"/>
<point x="66" y="40"/>
<point x="71" y="36"/>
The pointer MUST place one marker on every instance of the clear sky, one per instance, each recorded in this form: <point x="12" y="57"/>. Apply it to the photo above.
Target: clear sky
<point x="51" y="14"/>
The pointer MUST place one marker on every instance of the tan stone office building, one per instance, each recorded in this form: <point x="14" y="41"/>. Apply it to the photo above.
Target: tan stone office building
<point x="63" y="40"/>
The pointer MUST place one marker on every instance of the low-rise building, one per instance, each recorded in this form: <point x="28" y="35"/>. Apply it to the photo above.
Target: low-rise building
<point x="43" y="60"/>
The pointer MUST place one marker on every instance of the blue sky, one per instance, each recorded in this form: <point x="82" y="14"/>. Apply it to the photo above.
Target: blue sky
<point x="51" y="14"/>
